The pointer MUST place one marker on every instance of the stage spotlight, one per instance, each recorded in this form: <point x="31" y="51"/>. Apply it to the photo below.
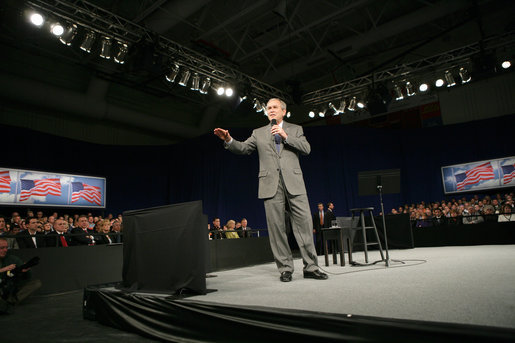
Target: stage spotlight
<point x="334" y="109"/>
<point x="229" y="91"/>
<point x="220" y="90"/>
<point x="465" y="76"/>
<point x="105" y="48"/>
<point x="88" y="41"/>
<point x="343" y="105"/>
<point x="123" y="49"/>
<point x="185" y="78"/>
<point x="57" y="29"/>
<point x="205" y="86"/>
<point x="352" y="104"/>
<point x="37" y="19"/>
<point x="256" y="104"/>
<point x="449" y="78"/>
<point x="506" y="64"/>
<point x="423" y="87"/>
<point x="321" y="114"/>
<point x="68" y="35"/>
<point x="360" y="104"/>
<point x="288" y="115"/>
<point x="439" y="83"/>
<point x="398" y="92"/>
<point x="174" y="71"/>
<point x="311" y="114"/>
<point x="410" y="90"/>
<point x="195" y="82"/>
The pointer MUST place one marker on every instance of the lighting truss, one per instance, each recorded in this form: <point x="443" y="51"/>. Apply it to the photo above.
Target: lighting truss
<point x="105" y="23"/>
<point x="448" y="59"/>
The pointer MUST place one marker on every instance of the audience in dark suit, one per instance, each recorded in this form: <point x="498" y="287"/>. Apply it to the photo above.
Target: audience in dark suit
<point x="31" y="238"/>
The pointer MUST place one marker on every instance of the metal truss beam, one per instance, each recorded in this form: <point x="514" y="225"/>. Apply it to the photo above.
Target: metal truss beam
<point x="92" y="17"/>
<point x="414" y="69"/>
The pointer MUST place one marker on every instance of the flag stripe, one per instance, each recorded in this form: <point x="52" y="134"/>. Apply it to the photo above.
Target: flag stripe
<point x="39" y="188"/>
<point x="87" y="192"/>
<point x="5" y="181"/>
<point x="482" y="172"/>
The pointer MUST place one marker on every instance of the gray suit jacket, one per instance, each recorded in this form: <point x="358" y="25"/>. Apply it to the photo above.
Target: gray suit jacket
<point x="271" y="163"/>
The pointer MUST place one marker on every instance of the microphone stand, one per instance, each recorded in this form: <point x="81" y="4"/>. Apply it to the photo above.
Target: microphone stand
<point x="387" y="260"/>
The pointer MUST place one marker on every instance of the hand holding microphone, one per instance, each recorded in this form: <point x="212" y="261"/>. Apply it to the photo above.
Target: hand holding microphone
<point x="277" y="130"/>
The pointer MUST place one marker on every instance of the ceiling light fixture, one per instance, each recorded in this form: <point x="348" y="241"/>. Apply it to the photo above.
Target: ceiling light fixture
<point x="423" y="87"/>
<point x="449" y="78"/>
<point x="205" y="86"/>
<point x="88" y="41"/>
<point x="105" y="48"/>
<point x="398" y="92"/>
<point x="37" y="19"/>
<point x="68" y="35"/>
<point x="352" y="104"/>
<point x="172" y="75"/>
<point x="57" y="29"/>
<point x="439" y="83"/>
<point x="185" y="78"/>
<point x="195" y="82"/>
<point x="410" y="89"/>
<point x="123" y="49"/>
<point x="465" y="75"/>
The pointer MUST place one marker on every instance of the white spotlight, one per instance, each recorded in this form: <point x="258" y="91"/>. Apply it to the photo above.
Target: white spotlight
<point x="311" y="114"/>
<point x="105" y="48"/>
<point x="423" y="87"/>
<point x="410" y="90"/>
<point x="87" y="44"/>
<point x="398" y="93"/>
<point x="205" y="86"/>
<point x="449" y="78"/>
<point x="185" y="78"/>
<point x="123" y="49"/>
<point x="220" y="90"/>
<point x="195" y="82"/>
<point x="352" y="104"/>
<point x="465" y="76"/>
<point x="68" y="35"/>
<point x="37" y="19"/>
<point x="360" y="104"/>
<point x="321" y="114"/>
<point x="229" y="92"/>
<point x="439" y="83"/>
<point x="57" y="29"/>
<point x="174" y="71"/>
<point x="288" y="115"/>
<point x="506" y="64"/>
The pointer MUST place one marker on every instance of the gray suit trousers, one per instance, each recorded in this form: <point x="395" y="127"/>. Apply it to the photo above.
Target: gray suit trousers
<point x="302" y="226"/>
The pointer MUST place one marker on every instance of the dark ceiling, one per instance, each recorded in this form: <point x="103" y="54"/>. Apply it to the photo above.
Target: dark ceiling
<point x="295" y="46"/>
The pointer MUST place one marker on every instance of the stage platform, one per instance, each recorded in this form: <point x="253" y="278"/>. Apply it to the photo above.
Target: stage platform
<point x="439" y="294"/>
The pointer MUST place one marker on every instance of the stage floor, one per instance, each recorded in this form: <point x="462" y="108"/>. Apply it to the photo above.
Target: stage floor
<point x="466" y="285"/>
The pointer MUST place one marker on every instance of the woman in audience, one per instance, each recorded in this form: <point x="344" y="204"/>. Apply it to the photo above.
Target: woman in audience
<point x="230" y="227"/>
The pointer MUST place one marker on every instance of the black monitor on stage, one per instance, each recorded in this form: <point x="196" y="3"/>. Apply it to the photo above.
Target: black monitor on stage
<point x="165" y="249"/>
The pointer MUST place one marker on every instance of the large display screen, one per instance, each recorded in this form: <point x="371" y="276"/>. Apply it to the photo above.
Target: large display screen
<point x="479" y="176"/>
<point x="28" y="187"/>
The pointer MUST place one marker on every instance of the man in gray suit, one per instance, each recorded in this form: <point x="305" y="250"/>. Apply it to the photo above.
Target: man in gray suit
<point x="281" y="186"/>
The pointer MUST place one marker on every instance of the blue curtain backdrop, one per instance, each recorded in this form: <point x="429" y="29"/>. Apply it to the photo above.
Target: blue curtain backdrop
<point x="201" y="169"/>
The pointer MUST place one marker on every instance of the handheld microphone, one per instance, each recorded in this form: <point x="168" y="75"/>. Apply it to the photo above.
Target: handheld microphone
<point x="273" y="122"/>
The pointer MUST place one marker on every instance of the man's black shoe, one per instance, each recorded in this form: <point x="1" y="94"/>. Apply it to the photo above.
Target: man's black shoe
<point x="285" y="277"/>
<point x="317" y="275"/>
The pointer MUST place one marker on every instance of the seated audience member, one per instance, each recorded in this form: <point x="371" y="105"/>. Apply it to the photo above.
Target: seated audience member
<point x="116" y="228"/>
<point x="71" y="225"/>
<point x="245" y="230"/>
<point x="13" y="288"/>
<point x="103" y="228"/>
<point x="59" y="236"/>
<point x="496" y="206"/>
<point x="471" y="216"/>
<point x="12" y="243"/>
<point x="489" y="213"/>
<point x="31" y="238"/>
<point x="216" y="230"/>
<point x="47" y="228"/>
<point x="82" y="234"/>
<point x="230" y="227"/>
<point x="506" y="215"/>
<point x="424" y="221"/>
<point x="438" y="218"/>
<point x="454" y="219"/>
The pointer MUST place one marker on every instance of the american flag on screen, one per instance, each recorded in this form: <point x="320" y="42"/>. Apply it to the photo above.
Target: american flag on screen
<point x="39" y="187"/>
<point x="86" y="192"/>
<point x="5" y="181"/>
<point x="508" y="173"/>
<point x="473" y="176"/>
